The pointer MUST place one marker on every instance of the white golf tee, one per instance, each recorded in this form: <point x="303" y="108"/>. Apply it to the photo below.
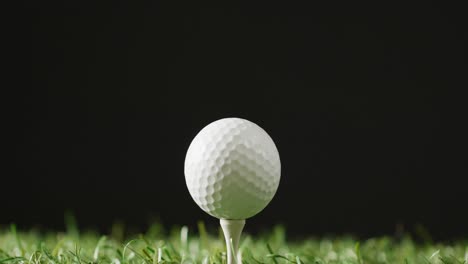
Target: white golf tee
<point x="232" y="230"/>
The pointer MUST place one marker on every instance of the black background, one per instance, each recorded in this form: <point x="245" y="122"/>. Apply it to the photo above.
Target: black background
<point x="357" y="99"/>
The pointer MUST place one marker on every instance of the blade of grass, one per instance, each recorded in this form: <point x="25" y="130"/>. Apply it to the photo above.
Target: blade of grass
<point x="357" y="250"/>
<point x="271" y="252"/>
<point x="17" y="238"/>
<point x="98" y="246"/>
<point x="275" y="256"/>
<point x="12" y="259"/>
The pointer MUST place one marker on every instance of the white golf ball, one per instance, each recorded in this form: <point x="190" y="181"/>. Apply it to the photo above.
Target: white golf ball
<point x="232" y="169"/>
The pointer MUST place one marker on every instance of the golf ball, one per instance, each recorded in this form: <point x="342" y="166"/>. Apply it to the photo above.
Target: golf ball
<point x="232" y="169"/>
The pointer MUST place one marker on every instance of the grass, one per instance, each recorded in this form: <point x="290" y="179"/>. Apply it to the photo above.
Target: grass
<point x="181" y="245"/>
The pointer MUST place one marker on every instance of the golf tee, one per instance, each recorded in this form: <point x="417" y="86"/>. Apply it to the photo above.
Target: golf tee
<point x="232" y="230"/>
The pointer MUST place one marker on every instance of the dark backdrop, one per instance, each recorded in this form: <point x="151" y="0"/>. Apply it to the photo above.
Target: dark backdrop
<point x="356" y="98"/>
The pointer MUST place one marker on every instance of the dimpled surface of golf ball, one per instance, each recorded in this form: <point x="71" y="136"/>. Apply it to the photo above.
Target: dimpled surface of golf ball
<point x="232" y="169"/>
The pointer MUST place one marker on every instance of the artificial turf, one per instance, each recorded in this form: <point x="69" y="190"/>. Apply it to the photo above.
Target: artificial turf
<point x="181" y="245"/>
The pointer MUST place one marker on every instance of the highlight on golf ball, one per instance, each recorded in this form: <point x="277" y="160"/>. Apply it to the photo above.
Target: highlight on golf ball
<point x="232" y="169"/>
